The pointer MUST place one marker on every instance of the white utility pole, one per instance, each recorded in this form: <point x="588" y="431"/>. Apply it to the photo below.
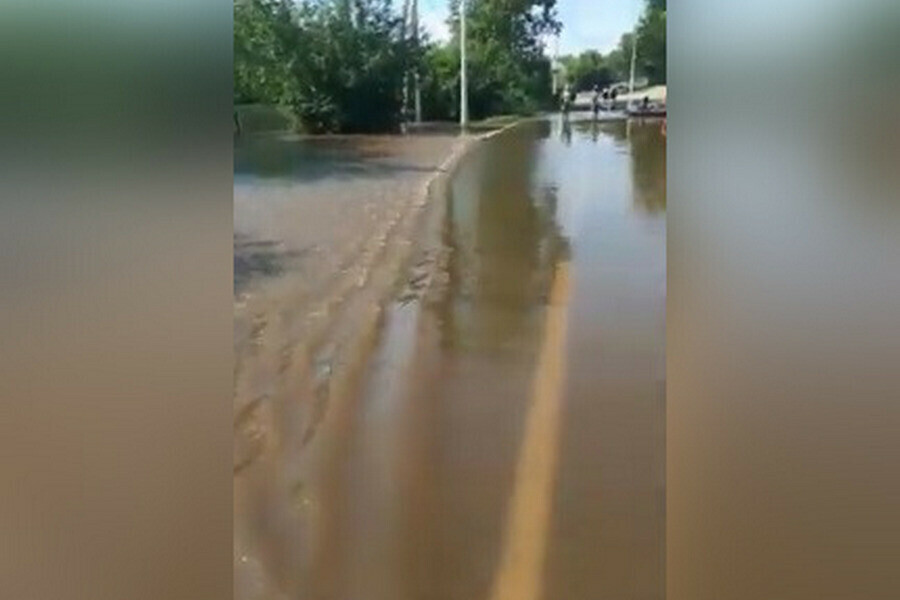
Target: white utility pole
<point x="405" y="108"/>
<point x="633" y="59"/>
<point x="417" y="91"/>
<point x="463" y="78"/>
<point x="631" y="82"/>
<point x="554" y="80"/>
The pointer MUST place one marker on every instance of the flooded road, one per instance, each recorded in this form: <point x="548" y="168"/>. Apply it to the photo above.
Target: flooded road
<point x="509" y="438"/>
<point x="322" y="227"/>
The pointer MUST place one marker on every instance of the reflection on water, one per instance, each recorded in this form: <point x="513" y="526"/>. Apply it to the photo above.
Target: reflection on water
<point x="645" y="145"/>
<point x="419" y="505"/>
<point x="565" y="132"/>
<point x="295" y="158"/>
<point x="648" y="165"/>
<point x="505" y="242"/>
<point x="503" y="224"/>
<point x="591" y="195"/>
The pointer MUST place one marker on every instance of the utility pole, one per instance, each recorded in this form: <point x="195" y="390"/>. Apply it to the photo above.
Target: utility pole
<point x="631" y="81"/>
<point x="404" y="110"/>
<point x="463" y="78"/>
<point x="555" y="74"/>
<point x="633" y="59"/>
<point x="417" y="93"/>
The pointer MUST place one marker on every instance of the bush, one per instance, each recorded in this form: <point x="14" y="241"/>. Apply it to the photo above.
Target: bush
<point x="337" y="64"/>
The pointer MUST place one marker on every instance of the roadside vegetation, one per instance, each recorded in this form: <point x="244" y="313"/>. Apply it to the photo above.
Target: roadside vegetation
<point x="341" y="65"/>
<point x="508" y="71"/>
<point x="337" y="65"/>
<point x="591" y="68"/>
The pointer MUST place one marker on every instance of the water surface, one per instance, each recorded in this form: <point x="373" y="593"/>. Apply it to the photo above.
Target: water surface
<point x="510" y="442"/>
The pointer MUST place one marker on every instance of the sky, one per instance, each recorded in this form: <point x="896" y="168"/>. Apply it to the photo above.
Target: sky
<point x="587" y="24"/>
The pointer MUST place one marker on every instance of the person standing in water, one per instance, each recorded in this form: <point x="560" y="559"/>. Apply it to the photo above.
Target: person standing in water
<point x="564" y="104"/>
<point x="595" y="102"/>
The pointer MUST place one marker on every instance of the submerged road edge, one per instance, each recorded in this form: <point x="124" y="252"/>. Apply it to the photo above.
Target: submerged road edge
<point x="520" y="572"/>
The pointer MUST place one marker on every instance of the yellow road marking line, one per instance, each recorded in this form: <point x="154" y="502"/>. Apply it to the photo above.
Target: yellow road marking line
<point x="521" y="570"/>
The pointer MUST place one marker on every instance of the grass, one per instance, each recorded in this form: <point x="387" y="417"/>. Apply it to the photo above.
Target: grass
<point x="496" y="122"/>
<point x="256" y="118"/>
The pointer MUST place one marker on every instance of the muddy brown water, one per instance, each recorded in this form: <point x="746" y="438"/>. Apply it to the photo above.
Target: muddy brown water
<point x="507" y="440"/>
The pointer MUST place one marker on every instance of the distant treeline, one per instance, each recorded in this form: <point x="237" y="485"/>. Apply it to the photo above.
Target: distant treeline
<point x="339" y="65"/>
<point x="591" y="68"/>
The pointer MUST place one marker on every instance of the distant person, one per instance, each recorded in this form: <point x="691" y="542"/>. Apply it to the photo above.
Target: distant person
<point x="612" y="97"/>
<point x="645" y="104"/>
<point x="595" y="102"/>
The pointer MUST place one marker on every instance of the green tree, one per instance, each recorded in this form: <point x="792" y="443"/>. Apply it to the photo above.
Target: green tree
<point x="348" y="63"/>
<point x="651" y="47"/>
<point x="440" y="82"/>
<point x="651" y="32"/>
<point x="619" y="60"/>
<point x="338" y="64"/>
<point x="588" y="70"/>
<point x="262" y="52"/>
<point x="508" y="72"/>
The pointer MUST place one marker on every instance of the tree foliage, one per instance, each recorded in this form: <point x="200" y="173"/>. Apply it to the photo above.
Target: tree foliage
<point x="263" y="32"/>
<point x="588" y="70"/>
<point x="508" y="72"/>
<point x="337" y="63"/>
<point x="591" y="68"/>
<point x="651" y="46"/>
<point x="619" y="60"/>
<point x="440" y="82"/>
